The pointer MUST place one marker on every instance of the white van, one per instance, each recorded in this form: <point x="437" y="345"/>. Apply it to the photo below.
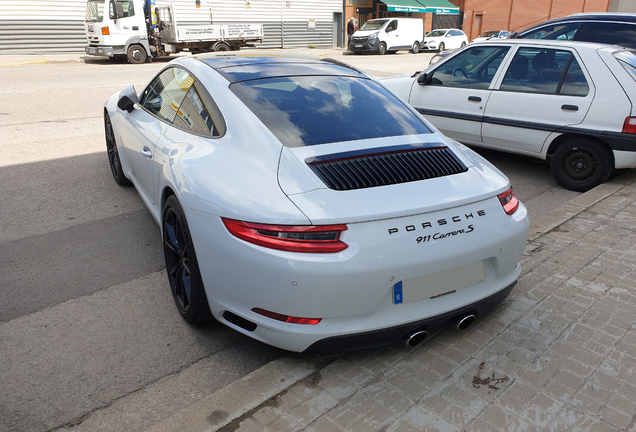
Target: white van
<point x="388" y="35"/>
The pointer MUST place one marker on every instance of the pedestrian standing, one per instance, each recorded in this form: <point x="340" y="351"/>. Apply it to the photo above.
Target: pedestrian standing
<point x="351" y="29"/>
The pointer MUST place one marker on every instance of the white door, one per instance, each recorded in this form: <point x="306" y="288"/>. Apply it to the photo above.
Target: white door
<point x="457" y="92"/>
<point x="541" y="91"/>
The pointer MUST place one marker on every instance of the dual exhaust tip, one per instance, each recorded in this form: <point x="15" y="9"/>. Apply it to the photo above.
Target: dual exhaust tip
<point x="416" y="337"/>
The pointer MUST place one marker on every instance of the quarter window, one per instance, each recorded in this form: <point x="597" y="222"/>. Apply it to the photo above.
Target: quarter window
<point x="545" y="71"/>
<point x="611" y="33"/>
<point x="474" y="68"/>
<point x="174" y="96"/>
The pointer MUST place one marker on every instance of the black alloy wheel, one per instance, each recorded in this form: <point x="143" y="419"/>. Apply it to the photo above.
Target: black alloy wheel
<point x="113" y="153"/>
<point x="182" y="265"/>
<point x="581" y="164"/>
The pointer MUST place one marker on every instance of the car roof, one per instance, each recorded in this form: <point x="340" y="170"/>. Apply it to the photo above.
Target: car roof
<point x="238" y="67"/>
<point x="552" y="43"/>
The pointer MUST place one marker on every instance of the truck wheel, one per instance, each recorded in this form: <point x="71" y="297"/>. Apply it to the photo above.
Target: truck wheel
<point x="416" y="47"/>
<point x="581" y="164"/>
<point x="382" y="48"/>
<point x="136" y="54"/>
<point x="221" y="46"/>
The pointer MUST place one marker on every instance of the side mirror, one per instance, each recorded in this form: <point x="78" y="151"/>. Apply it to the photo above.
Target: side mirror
<point x="128" y="98"/>
<point x="424" y="78"/>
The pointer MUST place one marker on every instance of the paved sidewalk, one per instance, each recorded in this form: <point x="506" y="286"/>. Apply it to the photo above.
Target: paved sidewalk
<point x="558" y="355"/>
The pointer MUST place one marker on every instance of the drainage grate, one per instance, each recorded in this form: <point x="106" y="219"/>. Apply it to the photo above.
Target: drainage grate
<point x="385" y="167"/>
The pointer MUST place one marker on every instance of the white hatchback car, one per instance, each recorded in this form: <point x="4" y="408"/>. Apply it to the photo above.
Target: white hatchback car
<point x="568" y="102"/>
<point x="443" y="39"/>
<point x="304" y="205"/>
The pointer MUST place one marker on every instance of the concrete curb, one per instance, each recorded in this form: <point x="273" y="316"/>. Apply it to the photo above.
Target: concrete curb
<point x="248" y="393"/>
<point x="238" y="398"/>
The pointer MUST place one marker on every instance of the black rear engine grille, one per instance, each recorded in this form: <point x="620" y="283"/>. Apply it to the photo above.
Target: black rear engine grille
<point x="342" y="172"/>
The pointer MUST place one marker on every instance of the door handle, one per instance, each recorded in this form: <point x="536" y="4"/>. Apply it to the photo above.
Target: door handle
<point x="146" y="152"/>
<point x="135" y="27"/>
<point x="569" y="107"/>
<point x="474" y="98"/>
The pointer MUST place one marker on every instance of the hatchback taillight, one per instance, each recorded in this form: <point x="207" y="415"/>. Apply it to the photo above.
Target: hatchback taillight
<point x="509" y="201"/>
<point x="292" y="238"/>
<point x="630" y="125"/>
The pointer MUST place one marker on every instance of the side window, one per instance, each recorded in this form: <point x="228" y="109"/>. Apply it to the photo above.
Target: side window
<point x="165" y="93"/>
<point x="392" y="25"/>
<point x="473" y="68"/>
<point x="565" y="31"/>
<point x="199" y="114"/>
<point x="545" y="71"/>
<point x="611" y="33"/>
<point x="128" y="7"/>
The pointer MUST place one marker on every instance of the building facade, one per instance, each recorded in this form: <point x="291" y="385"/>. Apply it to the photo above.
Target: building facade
<point x="42" y="26"/>
<point x="477" y="16"/>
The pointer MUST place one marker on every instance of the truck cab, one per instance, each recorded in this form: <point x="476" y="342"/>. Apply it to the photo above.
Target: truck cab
<point x="117" y="29"/>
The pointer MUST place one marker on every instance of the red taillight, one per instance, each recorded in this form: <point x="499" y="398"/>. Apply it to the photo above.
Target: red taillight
<point x="105" y="31"/>
<point x="292" y="238"/>
<point x="286" y="318"/>
<point x="630" y="125"/>
<point x="509" y="201"/>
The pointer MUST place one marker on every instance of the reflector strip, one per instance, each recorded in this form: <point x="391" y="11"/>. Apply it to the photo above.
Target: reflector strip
<point x="286" y="318"/>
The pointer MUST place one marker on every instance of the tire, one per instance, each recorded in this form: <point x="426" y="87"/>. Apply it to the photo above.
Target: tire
<point x="182" y="265"/>
<point x="221" y="47"/>
<point x="113" y="153"/>
<point x="581" y="164"/>
<point x="382" y="48"/>
<point x="416" y="47"/>
<point x="442" y="47"/>
<point x="463" y="45"/>
<point x="136" y="54"/>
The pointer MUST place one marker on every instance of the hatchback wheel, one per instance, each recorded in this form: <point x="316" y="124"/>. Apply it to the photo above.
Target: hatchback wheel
<point x="441" y="47"/>
<point x="182" y="265"/>
<point x="580" y="165"/>
<point x="113" y="153"/>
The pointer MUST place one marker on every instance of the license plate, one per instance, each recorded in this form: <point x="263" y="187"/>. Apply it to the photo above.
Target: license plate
<point x="91" y="28"/>
<point x="437" y="284"/>
<point x="358" y="46"/>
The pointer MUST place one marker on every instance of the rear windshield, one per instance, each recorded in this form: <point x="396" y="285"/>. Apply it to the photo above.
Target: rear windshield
<point x="310" y="110"/>
<point x="628" y="60"/>
<point x="373" y="25"/>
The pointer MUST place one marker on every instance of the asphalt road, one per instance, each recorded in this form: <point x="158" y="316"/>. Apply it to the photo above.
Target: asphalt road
<point x="87" y="322"/>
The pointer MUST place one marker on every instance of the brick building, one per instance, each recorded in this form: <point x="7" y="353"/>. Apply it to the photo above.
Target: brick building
<point x="473" y="16"/>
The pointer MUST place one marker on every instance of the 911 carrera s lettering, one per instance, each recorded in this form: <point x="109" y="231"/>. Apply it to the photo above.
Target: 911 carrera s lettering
<point x="438" y="236"/>
<point x="439" y="222"/>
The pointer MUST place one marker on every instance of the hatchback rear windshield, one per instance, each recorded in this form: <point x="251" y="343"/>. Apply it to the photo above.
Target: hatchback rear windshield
<point x="628" y="60"/>
<point x="310" y="110"/>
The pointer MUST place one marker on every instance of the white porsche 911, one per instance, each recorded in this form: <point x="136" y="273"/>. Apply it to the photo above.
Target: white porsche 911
<point x="304" y="205"/>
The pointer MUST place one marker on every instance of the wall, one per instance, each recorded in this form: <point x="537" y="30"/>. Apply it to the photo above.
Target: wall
<point x="28" y="26"/>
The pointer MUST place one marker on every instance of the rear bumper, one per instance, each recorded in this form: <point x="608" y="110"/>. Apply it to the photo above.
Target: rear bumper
<point x="393" y="335"/>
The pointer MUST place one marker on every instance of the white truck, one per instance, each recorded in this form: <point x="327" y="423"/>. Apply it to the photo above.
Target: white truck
<point x="388" y="35"/>
<point x="139" y="30"/>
